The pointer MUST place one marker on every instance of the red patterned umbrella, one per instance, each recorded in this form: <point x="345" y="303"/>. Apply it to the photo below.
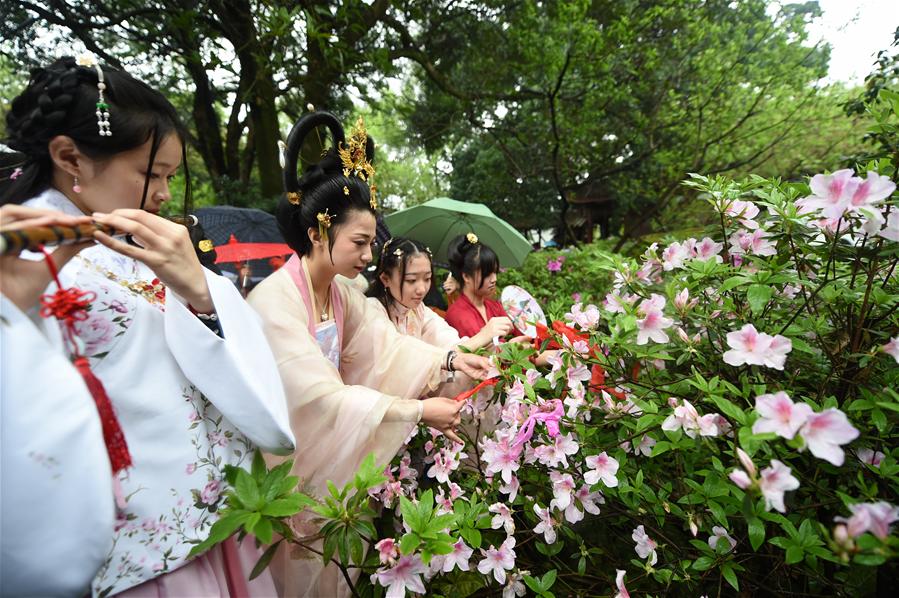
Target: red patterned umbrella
<point x="235" y="251"/>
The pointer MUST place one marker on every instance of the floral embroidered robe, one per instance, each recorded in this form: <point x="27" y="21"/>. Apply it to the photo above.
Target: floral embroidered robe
<point x="188" y="401"/>
<point x="56" y="499"/>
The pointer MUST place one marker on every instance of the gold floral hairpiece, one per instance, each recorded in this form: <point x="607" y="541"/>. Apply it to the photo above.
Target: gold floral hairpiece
<point x="294" y="197"/>
<point x="324" y="223"/>
<point x="472" y="238"/>
<point x="355" y="163"/>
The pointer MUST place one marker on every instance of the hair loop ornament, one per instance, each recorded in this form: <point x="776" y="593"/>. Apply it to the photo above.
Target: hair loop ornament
<point x="324" y="223"/>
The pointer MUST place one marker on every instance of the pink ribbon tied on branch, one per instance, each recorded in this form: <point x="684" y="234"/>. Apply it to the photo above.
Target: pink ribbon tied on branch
<point x="550" y="413"/>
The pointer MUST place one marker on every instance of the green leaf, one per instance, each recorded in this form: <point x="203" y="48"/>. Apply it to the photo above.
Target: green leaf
<point x="756" y="532"/>
<point x="703" y="563"/>
<point x="263" y="530"/>
<point x="247" y="491"/>
<point x="258" y="469"/>
<point x="265" y="559"/>
<point x="221" y="531"/>
<point x="549" y="579"/>
<point x="727" y="570"/>
<point x="729" y="408"/>
<point x="471" y="536"/>
<point x="285" y="507"/>
<point x="795" y="554"/>
<point x="251" y="522"/>
<point x="357" y="552"/>
<point x="409" y="543"/>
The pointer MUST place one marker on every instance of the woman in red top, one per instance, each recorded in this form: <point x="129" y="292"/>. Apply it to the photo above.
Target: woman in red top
<point x="474" y="266"/>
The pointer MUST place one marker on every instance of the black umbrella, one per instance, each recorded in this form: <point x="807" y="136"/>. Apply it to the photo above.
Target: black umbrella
<point x="245" y="225"/>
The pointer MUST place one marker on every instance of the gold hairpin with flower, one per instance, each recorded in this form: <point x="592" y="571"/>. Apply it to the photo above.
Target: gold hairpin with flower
<point x="355" y="162"/>
<point x="472" y="238"/>
<point x="324" y="223"/>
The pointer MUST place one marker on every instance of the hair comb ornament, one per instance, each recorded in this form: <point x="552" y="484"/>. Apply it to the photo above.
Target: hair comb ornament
<point x="354" y="159"/>
<point x="88" y="60"/>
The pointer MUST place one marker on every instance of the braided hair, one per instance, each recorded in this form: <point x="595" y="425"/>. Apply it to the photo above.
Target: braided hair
<point x="323" y="186"/>
<point x="395" y="256"/>
<point x="61" y="99"/>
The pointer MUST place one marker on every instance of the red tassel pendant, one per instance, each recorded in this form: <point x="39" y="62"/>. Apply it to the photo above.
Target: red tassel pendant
<point x="67" y="306"/>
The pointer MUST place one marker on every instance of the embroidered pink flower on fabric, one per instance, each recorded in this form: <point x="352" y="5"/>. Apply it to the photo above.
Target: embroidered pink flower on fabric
<point x="602" y="467"/>
<point x="212" y="491"/>
<point x="749" y="346"/>
<point x="547" y="525"/>
<point x="96" y="332"/>
<point x="387" y="551"/>
<point x="892" y="348"/>
<point x="825" y="432"/>
<point x="719" y="534"/>
<point x="498" y="560"/>
<point x="654" y="322"/>
<point x="780" y="415"/>
<point x="873" y="517"/>
<point x="646" y="546"/>
<point x="774" y="481"/>
<point x="405" y="575"/>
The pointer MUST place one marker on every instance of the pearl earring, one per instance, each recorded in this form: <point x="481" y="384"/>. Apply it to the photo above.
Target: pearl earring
<point x="76" y="187"/>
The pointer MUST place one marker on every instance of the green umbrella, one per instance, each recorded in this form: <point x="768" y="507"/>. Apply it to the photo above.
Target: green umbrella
<point x="437" y="222"/>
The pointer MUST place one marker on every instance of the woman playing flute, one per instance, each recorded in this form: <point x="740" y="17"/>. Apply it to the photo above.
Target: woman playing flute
<point x="181" y="356"/>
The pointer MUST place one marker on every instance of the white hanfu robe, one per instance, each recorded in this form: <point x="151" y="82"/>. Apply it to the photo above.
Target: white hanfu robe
<point x="188" y="400"/>
<point x="339" y="414"/>
<point x="56" y="496"/>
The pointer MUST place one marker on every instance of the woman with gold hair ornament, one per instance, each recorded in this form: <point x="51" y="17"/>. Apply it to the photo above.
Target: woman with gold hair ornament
<point x="352" y="382"/>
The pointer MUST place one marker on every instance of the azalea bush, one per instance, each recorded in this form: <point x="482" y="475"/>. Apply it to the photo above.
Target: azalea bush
<point x="722" y="422"/>
<point x="559" y="277"/>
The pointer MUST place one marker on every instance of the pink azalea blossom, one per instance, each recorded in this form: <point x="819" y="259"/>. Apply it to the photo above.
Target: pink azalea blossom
<point x="586" y="318"/>
<point x="500" y="457"/>
<point x="547" y="525"/>
<point x="406" y="574"/>
<point x="708" y="249"/>
<point x="602" y="467"/>
<point x="619" y="583"/>
<point x="555" y="265"/>
<point x="675" y="255"/>
<point x="756" y="242"/>
<point x="516" y="392"/>
<point x="687" y="418"/>
<point x="891" y="231"/>
<point x="780" y="415"/>
<point x="587" y="500"/>
<point x="825" y="432"/>
<point x="749" y="346"/>
<point x="744" y="211"/>
<point x="719" y="534"/>
<point x="682" y="300"/>
<point x="873" y="517"/>
<point x="654" y="322"/>
<point x="457" y="558"/>
<point x="577" y="375"/>
<point x="892" y="348"/>
<point x="511" y="488"/>
<point x="502" y="518"/>
<point x="831" y="193"/>
<point x="644" y="446"/>
<point x="563" y="487"/>
<point x="646" y="546"/>
<point x="515" y="585"/>
<point x="556" y="454"/>
<point x="498" y="560"/>
<point x="387" y="551"/>
<point x="870" y="457"/>
<point x="774" y="481"/>
<point x="871" y="191"/>
<point x="615" y="303"/>
<point x="532" y="376"/>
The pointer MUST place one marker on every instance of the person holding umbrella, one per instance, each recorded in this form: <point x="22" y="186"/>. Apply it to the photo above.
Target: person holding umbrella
<point x="352" y="382"/>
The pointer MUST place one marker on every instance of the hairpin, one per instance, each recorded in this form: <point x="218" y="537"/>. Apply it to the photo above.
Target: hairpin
<point x="294" y="197"/>
<point x="472" y="238"/>
<point x="324" y="223"/>
<point x="354" y="159"/>
<point x="89" y="61"/>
